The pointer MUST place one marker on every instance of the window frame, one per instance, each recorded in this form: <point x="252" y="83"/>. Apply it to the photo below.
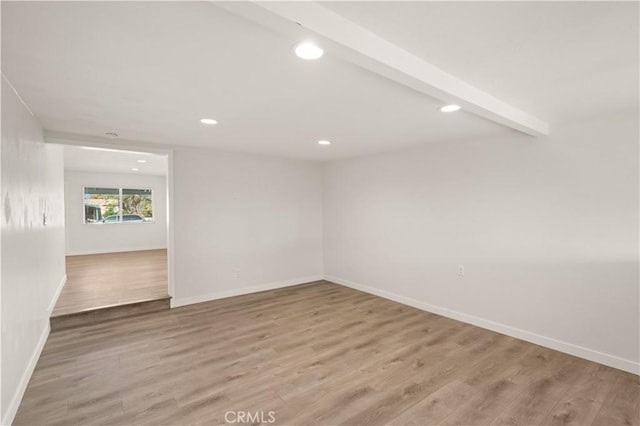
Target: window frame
<point x="120" y="202"/>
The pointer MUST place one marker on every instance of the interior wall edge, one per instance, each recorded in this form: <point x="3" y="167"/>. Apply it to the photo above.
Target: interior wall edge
<point x="558" y="345"/>
<point x="244" y="290"/>
<point x="16" y="399"/>
<point x="56" y="295"/>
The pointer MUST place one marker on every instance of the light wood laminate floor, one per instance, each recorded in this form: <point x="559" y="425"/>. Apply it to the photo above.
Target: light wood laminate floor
<point x="315" y="354"/>
<point x="100" y="280"/>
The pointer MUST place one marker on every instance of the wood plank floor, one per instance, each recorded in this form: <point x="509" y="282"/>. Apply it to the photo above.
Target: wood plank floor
<point x="99" y="280"/>
<point x="315" y="354"/>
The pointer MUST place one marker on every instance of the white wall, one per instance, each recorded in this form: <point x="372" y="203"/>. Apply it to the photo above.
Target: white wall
<point x="257" y="215"/>
<point x="86" y="238"/>
<point x="547" y="230"/>
<point x="32" y="253"/>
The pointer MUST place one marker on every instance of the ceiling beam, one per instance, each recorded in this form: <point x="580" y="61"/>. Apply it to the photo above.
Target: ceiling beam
<point x="349" y="41"/>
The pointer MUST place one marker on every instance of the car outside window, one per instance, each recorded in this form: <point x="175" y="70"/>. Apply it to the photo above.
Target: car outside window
<point x="117" y="205"/>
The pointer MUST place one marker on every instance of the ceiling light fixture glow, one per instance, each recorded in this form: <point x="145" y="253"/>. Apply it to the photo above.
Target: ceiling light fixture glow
<point x="324" y="142"/>
<point x="135" y="169"/>
<point x="142" y="161"/>
<point x="209" y="121"/>
<point x="450" y="108"/>
<point x="95" y="148"/>
<point x="307" y="50"/>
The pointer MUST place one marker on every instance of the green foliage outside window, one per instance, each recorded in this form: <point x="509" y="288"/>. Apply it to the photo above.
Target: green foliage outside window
<point x="108" y="205"/>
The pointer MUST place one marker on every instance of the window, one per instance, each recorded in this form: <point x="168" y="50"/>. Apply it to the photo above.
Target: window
<point x="116" y="205"/>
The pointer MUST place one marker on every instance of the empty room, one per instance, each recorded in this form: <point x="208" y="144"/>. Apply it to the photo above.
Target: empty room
<point x="320" y="213"/>
<point x="115" y="236"/>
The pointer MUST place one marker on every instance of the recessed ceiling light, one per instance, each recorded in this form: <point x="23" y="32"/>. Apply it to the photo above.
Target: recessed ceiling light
<point x="111" y="135"/>
<point x="142" y="161"/>
<point x="450" y="108"/>
<point x="324" y="142"/>
<point x="135" y="169"/>
<point x="210" y="121"/>
<point x="308" y="50"/>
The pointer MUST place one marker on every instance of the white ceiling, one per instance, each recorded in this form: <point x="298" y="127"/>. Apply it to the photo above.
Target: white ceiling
<point x="554" y="59"/>
<point x="98" y="160"/>
<point x="150" y="70"/>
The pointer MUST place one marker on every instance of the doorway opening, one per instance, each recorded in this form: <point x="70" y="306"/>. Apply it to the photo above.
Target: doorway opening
<point x="116" y="235"/>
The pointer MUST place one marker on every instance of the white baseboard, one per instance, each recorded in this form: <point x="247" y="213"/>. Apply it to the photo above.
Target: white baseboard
<point x="12" y="409"/>
<point x="569" y="348"/>
<point x="240" y="291"/>
<point x="120" y="250"/>
<point x="52" y="305"/>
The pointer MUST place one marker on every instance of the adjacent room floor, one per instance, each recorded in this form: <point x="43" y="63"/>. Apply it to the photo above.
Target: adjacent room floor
<point x="103" y="287"/>
<point x="315" y="354"/>
<point x="102" y="280"/>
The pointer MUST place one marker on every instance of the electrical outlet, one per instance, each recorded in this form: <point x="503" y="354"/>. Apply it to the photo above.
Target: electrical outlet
<point x="460" y="270"/>
<point x="237" y="273"/>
